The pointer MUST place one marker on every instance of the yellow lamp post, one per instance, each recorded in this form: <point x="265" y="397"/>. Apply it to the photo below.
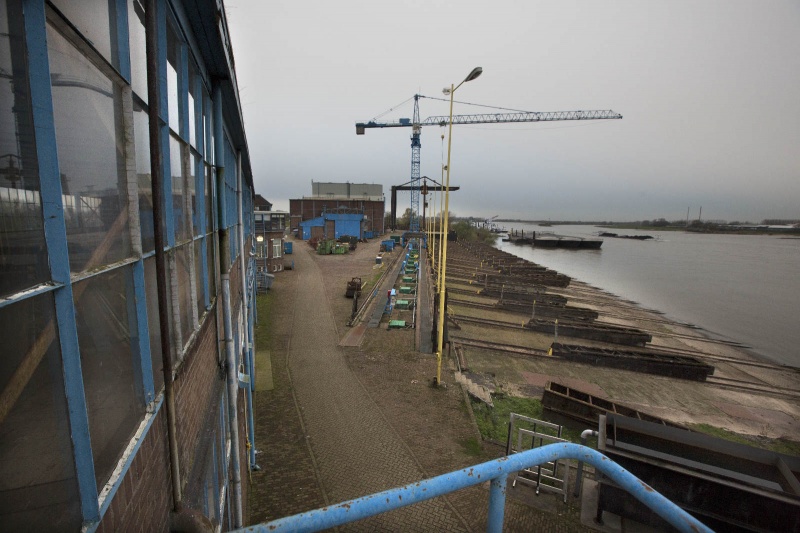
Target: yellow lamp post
<point x="477" y="71"/>
<point x="431" y="242"/>
<point x="441" y="224"/>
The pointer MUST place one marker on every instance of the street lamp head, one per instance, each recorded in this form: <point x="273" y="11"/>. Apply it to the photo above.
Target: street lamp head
<point x="477" y="71"/>
<point x="446" y="91"/>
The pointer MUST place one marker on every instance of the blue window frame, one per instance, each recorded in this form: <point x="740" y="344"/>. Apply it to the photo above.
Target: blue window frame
<point x="79" y="305"/>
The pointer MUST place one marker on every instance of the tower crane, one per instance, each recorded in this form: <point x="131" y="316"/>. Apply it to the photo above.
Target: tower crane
<point x="507" y="116"/>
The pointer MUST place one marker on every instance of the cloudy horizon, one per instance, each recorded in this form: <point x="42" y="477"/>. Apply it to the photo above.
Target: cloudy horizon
<point x="707" y="91"/>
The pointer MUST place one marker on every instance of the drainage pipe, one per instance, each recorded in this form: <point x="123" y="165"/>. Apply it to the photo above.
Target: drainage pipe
<point x="585" y="434"/>
<point x="225" y="276"/>
<point x="156" y="170"/>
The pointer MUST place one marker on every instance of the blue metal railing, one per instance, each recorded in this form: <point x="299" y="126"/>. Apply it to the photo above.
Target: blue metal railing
<point x="497" y="471"/>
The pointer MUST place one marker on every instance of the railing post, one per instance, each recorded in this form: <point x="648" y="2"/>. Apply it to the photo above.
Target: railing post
<point x="497" y="504"/>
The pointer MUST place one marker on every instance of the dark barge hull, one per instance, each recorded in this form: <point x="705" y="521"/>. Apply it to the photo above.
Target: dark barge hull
<point x="597" y="332"/>
<point x="575" y="243"/>
<point x="550" y="311"/>
<point x="726" y="485"/>
<point x="587" y="408"/>
<point x="649" y="362"/>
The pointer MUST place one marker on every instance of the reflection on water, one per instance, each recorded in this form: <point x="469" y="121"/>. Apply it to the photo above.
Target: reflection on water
<point x="740" y="287"/>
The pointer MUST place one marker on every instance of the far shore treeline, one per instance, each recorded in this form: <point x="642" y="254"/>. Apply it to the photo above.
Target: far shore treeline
<point x="486" y="230"/>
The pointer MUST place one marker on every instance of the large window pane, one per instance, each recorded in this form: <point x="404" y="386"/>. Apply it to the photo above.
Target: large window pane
<point x="96" y="20"/>
<point x="173" y="79"/>
<point x="23" y="255"/>
<point x="104" y="310"/>
<point x="38" y="488"/>
<point x="193" y="123"/>
<point x="184" y="261"/>
<point x="194" y="162"/>
<point x="91" y="156"/>
<point x="153" y="321"/>
<point x="199" y="259"/>
<point x="208" y="122"/>
<point x="212" y="270"/>
<point x="177" y="152"/>
<point x="143" y="176"/>
<point x="209" y="188"/>
<point x="136" y="11"/>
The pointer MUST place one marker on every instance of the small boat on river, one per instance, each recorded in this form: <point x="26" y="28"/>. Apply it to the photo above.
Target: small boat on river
<point x="635" y="237"/>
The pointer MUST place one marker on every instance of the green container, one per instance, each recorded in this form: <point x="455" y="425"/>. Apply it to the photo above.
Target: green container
<point x="402" y="304"/>
<point x="406" y="290"/>
<point x="397" y="324"/>
<point x="409" y="279"/>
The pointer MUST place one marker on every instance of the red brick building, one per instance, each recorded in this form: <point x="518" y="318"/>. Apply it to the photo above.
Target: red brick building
<point x="360" y="198"/>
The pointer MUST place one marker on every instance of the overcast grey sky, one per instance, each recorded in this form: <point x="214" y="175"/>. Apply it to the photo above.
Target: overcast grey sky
<point x="709" y="91"/>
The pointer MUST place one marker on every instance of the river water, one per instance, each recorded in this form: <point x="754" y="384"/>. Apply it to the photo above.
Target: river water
<point x="744" y="288"/>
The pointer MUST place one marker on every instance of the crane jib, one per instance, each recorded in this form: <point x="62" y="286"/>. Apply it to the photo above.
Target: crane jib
<point x="484" y="118"/>
<point x="495" y="118"/>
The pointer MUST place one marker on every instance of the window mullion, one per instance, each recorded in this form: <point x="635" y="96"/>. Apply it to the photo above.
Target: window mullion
<point x="140" y="338"/>
<point x="56" y="238"/>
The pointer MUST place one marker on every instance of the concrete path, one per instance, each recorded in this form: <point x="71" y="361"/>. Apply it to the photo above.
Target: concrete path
<point x="424" y="305"/>
<point x="355" y="450"/>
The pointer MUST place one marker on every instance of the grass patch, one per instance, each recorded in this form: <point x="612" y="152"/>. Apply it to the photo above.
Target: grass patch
<point x="375" y="277"/>
<point x="493" y="421"/>
<point x="784" y="446"/>
<point x="264" y="308"/>
<point x="471" y="447"/>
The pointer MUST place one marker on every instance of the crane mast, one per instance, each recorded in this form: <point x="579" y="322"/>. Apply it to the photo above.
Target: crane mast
<point x="483" y="118"/>
<point x="416" y="145"/>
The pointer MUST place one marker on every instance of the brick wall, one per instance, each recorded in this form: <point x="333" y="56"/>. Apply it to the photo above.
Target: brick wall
<point x="194" y="386"/>
<point x="144" y="499"/>
<point x="308" y="208"/>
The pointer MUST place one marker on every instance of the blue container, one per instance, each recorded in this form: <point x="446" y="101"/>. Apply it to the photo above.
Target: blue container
<point x="287" y="248"/>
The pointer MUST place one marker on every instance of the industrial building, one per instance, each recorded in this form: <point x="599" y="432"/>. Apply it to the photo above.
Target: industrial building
<point x="267" y="217"/>
<point x="269" y="230"/>
<point x="126" y="305"/>
<point x="365" y="199"/>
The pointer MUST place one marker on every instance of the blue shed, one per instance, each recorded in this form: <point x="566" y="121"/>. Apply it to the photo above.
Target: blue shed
<point x="333" y="226"/>
<point x="307" y="225"/>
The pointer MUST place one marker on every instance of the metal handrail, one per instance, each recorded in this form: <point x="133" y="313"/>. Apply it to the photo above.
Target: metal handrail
<point x="497" y="471"/>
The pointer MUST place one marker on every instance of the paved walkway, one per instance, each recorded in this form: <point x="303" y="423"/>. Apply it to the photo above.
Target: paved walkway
<point x="355" y="449"/>
<point x="424" y="305"/>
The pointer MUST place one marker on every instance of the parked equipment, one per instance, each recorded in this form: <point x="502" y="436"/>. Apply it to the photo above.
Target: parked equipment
<point x="353" y="288"/>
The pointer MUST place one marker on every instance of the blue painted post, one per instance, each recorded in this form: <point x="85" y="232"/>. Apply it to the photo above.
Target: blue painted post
<point x="123" y="39"/>
<point x="140" y="347"/>
<point x="497" y="504"/>
<point x="56" y="237"/>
